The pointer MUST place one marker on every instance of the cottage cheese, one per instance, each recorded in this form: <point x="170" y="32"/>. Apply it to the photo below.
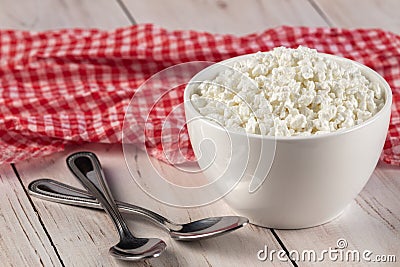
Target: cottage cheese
<point x="289" y="92"/>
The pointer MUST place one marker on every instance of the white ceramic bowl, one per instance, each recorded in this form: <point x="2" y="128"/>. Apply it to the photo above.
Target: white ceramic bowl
<point x="308" y="180"/>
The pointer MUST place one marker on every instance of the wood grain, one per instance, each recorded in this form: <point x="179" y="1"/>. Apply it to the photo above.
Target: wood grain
<point x="23" y="241"/>
<point x="54" y="14"/>
<point x="222" y="16"/>
<point x="362" y="13"/>
<point x="83" y="237"/>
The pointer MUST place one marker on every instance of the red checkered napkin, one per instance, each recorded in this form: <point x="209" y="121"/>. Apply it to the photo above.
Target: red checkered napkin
<point x="73" y="86"/>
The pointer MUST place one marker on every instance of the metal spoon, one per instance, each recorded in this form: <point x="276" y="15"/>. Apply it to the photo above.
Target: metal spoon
<point x="55" y="191"/>
<point x="86" y="167"/>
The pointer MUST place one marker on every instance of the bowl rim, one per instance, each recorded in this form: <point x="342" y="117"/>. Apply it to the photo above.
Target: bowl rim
<point x="365" y="70"/>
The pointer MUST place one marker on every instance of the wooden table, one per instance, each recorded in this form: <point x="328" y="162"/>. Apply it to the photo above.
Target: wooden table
<point x="34" y="232"/>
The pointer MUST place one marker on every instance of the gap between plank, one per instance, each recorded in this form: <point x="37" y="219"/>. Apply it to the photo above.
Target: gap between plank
<point x="283" y="247"/>
<point x="320" y="12"/>
<point x="126" y="11"/>
<point x="40" y="219"/>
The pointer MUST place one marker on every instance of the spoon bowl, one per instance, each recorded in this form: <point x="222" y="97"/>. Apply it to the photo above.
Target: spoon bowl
<point x="147" y="248"/>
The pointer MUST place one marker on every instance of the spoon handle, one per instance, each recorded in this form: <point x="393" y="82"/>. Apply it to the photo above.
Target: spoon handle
<point x="56" y="191"/>
<point x="86" y="167"/>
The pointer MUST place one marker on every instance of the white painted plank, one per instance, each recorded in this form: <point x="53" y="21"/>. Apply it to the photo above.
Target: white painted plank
<point x="222" y="16"/>
<point x="83" y="237"/>
<point x="54" y="14"/>
<point x="23" y="241"/>
<point x="362" y="13"/>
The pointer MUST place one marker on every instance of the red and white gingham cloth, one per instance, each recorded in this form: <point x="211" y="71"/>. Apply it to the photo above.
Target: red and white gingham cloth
<point x="73" y="86"/>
